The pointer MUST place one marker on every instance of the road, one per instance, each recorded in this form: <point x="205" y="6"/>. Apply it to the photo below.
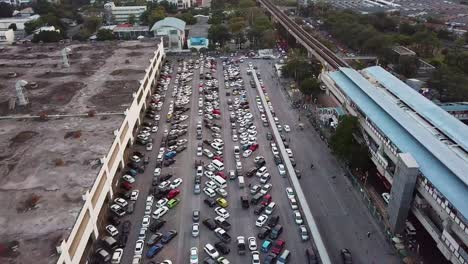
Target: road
<point x="179" y="218"/>
<point x="342" y="218"/>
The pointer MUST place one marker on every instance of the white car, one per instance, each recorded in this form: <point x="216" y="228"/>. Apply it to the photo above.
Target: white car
<point x="209" y="192"/>
<point x="160" y="212"/>
<point x="128" y="178"/>
<point x="149" y="200"/>
<point x="112" y="230"/>
<point x="134" y="195"/>
<point x="148" y="209"/>
<point x="281" y="169"/>
<point x="139" y="247"/>
<point x="287" y="128"/>
<point x="275" y="150"/>
<point x="194" y="255"/>
<point x="303" y="232"/>
<point x="255" y="257"/>
<point x="117" y="256"/>
<point x="164" y="184"/>
<point x="289" y="192"/>
<point x="280" y="128"/>
<point x="290" y="153"/>
<point x="157" y="172"/>
<point x="297" y="217"/>
<point x="199" y="151"/>
<point x="265" y="178"/>
<point x="261" y="220"/>
<point x="293" y="203"/>
<point x="149" y="146"/>
<point x="176" y="183"/>
<point x="211" y="251"/>
<point x="222" y="192"/>
<point x="266" y="188"/>
<point x="210" y="175"/>
<point x="222" y="212"/>
<point x="252" y="243"/>
<point x="195" y="229"/>
<point x="235" y="138"/>
<point x="247" y="153"/>
<point x="121" y="202"/>
<point x="386" y="197"/>
<point x="146" y="221"/>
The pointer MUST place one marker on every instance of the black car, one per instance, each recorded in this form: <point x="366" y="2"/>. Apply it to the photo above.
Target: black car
<point x="259" y="209"/>
<point x="169" y="162"/>
<point x="222" y="247"/>
<point x="264" y="232"/>
<point x="210" y="223"/>
<point x="245" y="202"/>
<point x="209" y="260"/>
<point x="114" y="220"/>
<point x="154" y="239"/>
<point x="198" y="179"/>
<point x="168" y="236"/>
<point x="156" y="224"/>
<point x="155" y="181"/>
<point x="273" y="220"/>
<point x="251" y="172"/>
<point x="224" y="224"/>
<point x="346" y="256"/>
<point x="127" y="225"/>
<point x="311" y="256"/>
<point x="210" y="202"/>
<point x="260" y="163"/>
<point x="293" y="162"/>
<point x="130" y="208"/>
<point x="166" y="177"/>
<point x="270" y="258"/>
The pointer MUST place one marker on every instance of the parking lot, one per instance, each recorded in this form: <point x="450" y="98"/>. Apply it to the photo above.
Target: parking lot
<point x="202" y="107"/>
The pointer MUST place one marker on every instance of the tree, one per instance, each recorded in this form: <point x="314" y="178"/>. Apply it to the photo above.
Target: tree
<point x="32" y="25"/>
<point x="346" y="147"/>
<point x="92" y="23"/>
<point x="6" y="10"/>
<point x="47" y="36"/>
<point x="408" y="66"/>
<point x="218" y="34"/>
<point x="131" y="19"/>
<point x="188" y="18"/>
<point x="310" y="87"/>
<point x="449" y="84"/>
<point x="105" y="34"/>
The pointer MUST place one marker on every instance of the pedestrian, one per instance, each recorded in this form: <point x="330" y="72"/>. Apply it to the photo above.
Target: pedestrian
<point x="368" y="234"/>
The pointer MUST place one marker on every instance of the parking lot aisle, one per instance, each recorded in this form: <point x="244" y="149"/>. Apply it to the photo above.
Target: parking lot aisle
<point x="143" y="183"/>
<point x="241" y="219"/>
<point x="291" y="232"/>
<point x="342" y="218"/>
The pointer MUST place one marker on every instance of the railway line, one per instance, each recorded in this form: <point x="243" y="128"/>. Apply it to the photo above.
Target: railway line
<point x="332" y="61"/>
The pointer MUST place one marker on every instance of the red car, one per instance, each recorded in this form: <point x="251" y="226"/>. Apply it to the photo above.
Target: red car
<point x="126" y="186"/>
<point x="266" y="199"/>
<point x="278" y="247"/>
<point x="218" y="158"/>
<point x="254" y="147"/>
<point x="216" y="111"/>
<point x="173" y="193"/>
<point x="221" y="173"/>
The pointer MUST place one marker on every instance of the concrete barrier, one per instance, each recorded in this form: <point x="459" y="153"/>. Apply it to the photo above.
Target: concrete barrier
<point x="322" y="251"/>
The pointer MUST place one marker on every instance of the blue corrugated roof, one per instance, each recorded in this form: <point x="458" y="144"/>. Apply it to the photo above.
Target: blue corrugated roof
<point x="452" y="127"/>
<point x="388" y="117"/>
<point x="462" y="106"/>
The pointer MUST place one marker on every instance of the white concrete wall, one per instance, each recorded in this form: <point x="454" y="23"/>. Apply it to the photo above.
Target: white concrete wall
<point x="96" y="196"/>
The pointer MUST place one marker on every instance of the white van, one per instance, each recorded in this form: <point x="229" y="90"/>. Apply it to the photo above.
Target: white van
<point x="241" y="181"/>
<point x="218" y="165"/>
<point x="270" y="208"/>
<point x="220" y="182"/>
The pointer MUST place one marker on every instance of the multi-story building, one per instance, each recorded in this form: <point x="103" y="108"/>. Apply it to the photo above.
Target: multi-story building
<point x="420" y="152"/>
<point x="172" y="31"/>
<point x="121" y="14"/>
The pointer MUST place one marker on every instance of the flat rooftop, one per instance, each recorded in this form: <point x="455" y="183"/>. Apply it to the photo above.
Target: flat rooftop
<point x="47" y="165"/>
<point x="439" y="161"/>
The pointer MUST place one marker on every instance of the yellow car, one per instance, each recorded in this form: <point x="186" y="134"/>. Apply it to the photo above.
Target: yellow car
<point x="222" y="202"/>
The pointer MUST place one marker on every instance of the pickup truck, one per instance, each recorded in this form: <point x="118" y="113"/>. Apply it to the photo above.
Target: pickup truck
<point x="223" y="223"/>
<point x="223" y="235"/>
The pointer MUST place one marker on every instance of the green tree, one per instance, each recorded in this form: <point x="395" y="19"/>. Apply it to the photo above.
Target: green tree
<point x="6" y="10"/>
<point x="47" y="36"/>
<point x="310" y="87"/>
<point x="131" y="19"/>
<point x="449" y="84"/>
<point x="32" y="25"/>
<point x="105" y="34"/>
<point x="408" y="66"/>
<point x="218" y="34"/>
<point x="188" y="18"/>
<point x="345" y="146"/>
<point x="92" y="23"/>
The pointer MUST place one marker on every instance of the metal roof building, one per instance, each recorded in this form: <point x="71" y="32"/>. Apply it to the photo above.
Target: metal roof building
<point x="397" y="119"/>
